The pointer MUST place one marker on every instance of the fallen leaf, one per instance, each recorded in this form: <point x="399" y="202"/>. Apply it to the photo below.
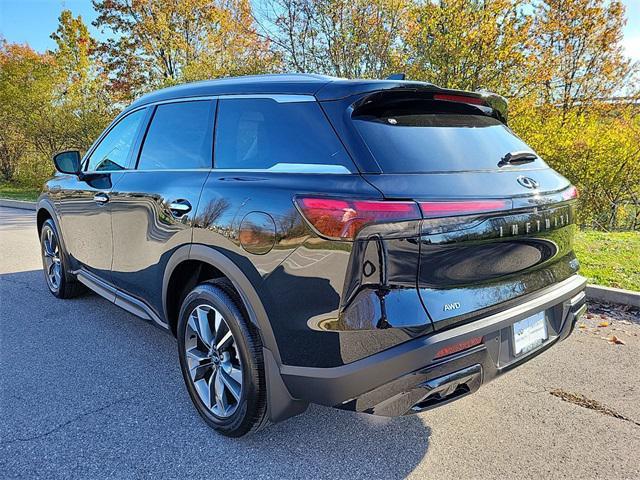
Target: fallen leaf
<point x="582" y="325"/>
<point x="615" y="340"/>
<point x="604" y="323"/>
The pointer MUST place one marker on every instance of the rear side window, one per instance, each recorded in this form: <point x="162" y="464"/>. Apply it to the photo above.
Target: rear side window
<point x="287" y="137"/>
<point x="179" y="137"/>
<point x="429" y="136"/>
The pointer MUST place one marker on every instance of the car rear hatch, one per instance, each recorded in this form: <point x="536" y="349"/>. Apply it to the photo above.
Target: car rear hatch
<point x="497" y="224"/>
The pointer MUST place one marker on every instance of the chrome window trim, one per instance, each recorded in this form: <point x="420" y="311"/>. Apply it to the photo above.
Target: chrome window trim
<point x="278" y="97"/>
<point x="235" y="170"/>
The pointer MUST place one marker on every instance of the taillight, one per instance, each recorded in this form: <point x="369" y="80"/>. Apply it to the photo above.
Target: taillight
<point x="458" y="98"/>
<point x="462" y="207"/>
<point x="343" y="219"/>
<point x="570" y="193"/>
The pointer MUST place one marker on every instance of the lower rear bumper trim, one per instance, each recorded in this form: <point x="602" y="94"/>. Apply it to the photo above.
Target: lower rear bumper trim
<point x="338" y="386"/>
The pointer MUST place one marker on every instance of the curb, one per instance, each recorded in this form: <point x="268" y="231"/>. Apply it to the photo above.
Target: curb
<point x="613" y="295"/>
<point x="22" y="204"/>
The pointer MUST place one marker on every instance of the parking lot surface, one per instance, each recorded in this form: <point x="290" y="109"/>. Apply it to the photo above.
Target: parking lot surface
<point x="89" y="391"/>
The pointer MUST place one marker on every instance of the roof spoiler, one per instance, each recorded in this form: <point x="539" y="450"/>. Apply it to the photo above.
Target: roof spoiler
<point x="498" y="103"/>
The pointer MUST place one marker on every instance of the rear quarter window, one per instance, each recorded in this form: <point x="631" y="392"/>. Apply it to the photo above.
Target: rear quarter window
<point x="426" y="138"/>
<point x="264" y="134"/>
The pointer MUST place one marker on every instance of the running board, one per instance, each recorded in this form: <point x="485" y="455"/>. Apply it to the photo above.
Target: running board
<point x="121" y="299"/>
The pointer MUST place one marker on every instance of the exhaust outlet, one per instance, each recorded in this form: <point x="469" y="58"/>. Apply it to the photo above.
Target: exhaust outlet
<point x="449" y="387"/>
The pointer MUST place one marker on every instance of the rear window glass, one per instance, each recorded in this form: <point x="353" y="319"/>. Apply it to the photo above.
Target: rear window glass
<point x="287" y="137"/>
<point x="416" y="140"/>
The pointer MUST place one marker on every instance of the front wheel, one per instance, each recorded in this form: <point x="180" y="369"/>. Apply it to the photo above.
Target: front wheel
<point x="221" y="359"/>
<point x="61" y="283"/>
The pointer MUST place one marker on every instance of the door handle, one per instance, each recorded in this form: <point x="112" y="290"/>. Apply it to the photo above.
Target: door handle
<point x="101" y="198"/>
<point x="179" y="207"/>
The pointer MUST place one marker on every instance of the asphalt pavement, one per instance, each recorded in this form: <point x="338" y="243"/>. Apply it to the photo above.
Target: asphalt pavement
<point x="89" y="391"/>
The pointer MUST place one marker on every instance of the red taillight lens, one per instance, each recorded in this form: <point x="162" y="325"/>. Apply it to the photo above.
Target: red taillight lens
<point x="343" y="219"/>
<point x="458" y="347"/>
<point x="462" y="207"/>
<point x="458" y="98"/>
<point x="570" y="193"/>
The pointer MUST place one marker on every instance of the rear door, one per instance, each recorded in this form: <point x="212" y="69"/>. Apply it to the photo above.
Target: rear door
<point x="153" y="206"/>
<point x="494" y="228"/>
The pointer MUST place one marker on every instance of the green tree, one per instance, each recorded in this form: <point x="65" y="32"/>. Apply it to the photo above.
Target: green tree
<point x="469" y="44"/>
<point x="158" y="42"/>
<point x="579" y="57"/>
<point x="29" y="125"/>
<point x="83" y="94"/>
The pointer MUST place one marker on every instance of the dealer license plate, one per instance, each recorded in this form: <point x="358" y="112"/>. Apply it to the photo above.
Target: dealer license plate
<point x="529" y="333"/>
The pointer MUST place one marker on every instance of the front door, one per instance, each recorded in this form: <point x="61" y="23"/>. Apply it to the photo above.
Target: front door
<point x="83" y="202"/>
<point x="153" y="205"/>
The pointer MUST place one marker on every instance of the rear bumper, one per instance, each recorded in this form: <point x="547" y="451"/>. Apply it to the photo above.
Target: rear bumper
<point x="408" y="378"/>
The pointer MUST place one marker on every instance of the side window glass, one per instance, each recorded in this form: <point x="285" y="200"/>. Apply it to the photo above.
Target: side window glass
<point x="264" y="134"/>
<point x="180" y="137"/>
<point x="113" y="151"/>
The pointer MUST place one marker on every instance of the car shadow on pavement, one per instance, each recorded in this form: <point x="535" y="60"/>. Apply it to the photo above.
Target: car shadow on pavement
<point x="89" y="391"/>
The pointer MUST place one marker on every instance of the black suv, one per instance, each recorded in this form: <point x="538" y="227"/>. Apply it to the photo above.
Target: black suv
<point x="381" y="246"/>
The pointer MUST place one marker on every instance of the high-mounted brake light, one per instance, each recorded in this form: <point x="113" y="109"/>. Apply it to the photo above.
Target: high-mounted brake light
<point x="459" y="98"/>
<point x="570" y="193"/>
<point x="343" y="219"/>
<point x="462" y="207"/>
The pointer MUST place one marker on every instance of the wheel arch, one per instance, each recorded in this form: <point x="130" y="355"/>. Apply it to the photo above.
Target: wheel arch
<point x="228" y="269"/>
<point x="45" y="211"/>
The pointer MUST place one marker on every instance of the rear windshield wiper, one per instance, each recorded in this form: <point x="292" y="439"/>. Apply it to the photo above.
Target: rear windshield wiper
<point x="517" y="158"/>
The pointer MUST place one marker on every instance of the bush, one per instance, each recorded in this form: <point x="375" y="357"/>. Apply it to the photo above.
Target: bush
<point x="598" y="150"/>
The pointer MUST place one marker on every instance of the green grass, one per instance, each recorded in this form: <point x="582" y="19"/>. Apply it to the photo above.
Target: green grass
<point x="611" y="259"/>
<point x="18" y="192"/>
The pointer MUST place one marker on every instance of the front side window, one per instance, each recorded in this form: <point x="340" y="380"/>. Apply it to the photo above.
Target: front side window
<point x="113" y="151"/>
<point x="263" y="134"/>
<point x="179" y="137"/>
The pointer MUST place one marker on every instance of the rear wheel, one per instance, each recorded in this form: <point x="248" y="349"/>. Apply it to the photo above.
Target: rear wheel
<point x="221" y="360"/>
<point x="61" y="283"/>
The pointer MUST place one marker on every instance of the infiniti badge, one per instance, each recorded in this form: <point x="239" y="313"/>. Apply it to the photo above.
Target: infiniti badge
<point x="527" y="182"/>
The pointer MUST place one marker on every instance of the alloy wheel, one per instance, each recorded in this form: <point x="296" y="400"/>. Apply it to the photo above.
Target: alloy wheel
<point x="213" y="361"/>
<point x="52" y="264"/>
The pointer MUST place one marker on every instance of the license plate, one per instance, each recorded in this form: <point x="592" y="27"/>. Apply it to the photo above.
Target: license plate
<point x="529" y="333"/>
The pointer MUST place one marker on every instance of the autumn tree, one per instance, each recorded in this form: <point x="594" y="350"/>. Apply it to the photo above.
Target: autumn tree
<point x="578" y="51"/>
<point x="27" y="80"/>
<point x="49" y="101"/>
<point x="469" y="44"/>
<point x="156" y="42"/>
<point x="83" y="97"/>
<point x="345" y="38"/>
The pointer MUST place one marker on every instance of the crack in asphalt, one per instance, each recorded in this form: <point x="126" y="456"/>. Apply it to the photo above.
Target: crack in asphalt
<point x="584" y="402"/>
<point x="68" y="422"/>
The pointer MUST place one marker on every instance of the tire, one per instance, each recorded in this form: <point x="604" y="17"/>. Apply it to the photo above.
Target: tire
<point x="60" y="282"/>
<point x="232" y="402"/>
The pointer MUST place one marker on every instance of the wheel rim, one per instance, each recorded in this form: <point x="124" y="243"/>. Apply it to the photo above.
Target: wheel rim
<point x="52" y="264"/>
<point x="213" y="361"/>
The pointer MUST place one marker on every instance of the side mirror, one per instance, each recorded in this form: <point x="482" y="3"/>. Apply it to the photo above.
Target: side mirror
<point x="67" y="162"/>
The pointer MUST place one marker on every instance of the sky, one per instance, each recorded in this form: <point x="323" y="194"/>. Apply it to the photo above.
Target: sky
<point x="32" y="21"/>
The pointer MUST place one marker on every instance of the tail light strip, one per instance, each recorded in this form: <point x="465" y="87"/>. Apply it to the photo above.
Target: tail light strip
<point x="342" y="219"/>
